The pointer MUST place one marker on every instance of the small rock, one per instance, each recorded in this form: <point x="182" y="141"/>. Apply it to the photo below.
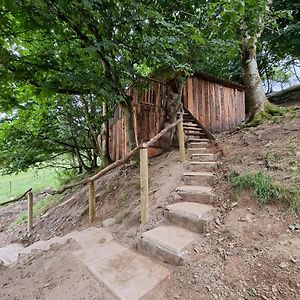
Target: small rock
<point x="109" y="222"/>
<point x="215" y="296"/>
<point x="274" y="289"/>
<point x="218" y="221"/>
<point x="233" y="204"/>
<point x="283" y="265"/>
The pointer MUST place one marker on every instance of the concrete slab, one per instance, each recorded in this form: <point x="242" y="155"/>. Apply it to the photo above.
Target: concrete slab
<point x="127" y="274"/>
<point x="203" y="157"/>
<point x="168" y="243"/>
<point x="198" y="166"/>
<point x="10" y="253"/>
<point x="196" y="193"/>
<point x="198" y="178"/>
<point x="197" y="150"/>
<point x="190" y="215"/>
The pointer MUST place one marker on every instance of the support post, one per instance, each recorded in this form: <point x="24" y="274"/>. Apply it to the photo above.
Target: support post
<point x="144" y="185"/>
<point x="92" y="202"/>
<point x="181" y="142"/>
<point x="30" y="211"/>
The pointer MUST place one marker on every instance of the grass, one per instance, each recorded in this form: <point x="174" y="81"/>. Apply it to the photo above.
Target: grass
<point x="39" y="208"/>
<point x="266" y="190"/>
<point x="15" y="185"/>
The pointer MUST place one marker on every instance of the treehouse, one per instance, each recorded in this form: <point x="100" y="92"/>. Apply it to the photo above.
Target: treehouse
<point x="210" y="104"/>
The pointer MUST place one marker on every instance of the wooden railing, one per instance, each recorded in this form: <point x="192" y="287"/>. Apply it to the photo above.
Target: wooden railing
<point x="144" y="180"/>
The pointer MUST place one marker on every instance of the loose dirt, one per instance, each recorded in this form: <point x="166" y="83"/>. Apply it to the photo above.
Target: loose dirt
<point x="250" y="252"/>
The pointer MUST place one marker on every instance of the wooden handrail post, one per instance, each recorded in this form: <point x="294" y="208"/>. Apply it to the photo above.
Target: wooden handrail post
<point x="144" y="185"/>
<point x="92" y="201"/>
<point x="30" y="211"/>
<point x="181" y="141"/>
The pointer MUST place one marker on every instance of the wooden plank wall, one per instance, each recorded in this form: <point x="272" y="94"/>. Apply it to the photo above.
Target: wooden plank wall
<point x="149" y="112"/>
<point x="216" y="106"/>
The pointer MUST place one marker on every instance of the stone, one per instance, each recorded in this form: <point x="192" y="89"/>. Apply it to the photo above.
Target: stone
<point x="109" y="222"/>
<point x="125" y="273"/>
<point x="198" y="178"/>
<point x="169" y="243"/>
<point x="196" y="193"/>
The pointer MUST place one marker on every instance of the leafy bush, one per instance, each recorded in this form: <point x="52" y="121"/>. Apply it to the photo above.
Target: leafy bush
<point x="266" y="189"/>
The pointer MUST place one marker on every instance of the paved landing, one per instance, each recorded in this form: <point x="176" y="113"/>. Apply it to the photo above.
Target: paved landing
<point x="127" y="274"/>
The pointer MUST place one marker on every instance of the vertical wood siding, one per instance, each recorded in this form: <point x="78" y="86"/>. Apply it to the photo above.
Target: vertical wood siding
<point x="216" y="106"/>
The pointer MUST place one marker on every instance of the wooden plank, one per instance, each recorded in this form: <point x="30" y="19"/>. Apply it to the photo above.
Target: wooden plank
<point x="199" y="99"/>
<point x="207" y="117"/>
<point x="222" y="115"/>
<point x="190" y="95"/>
<point x="92" y="202"/>
<point x="29" y="211"/>
<point x="145" y="213"/>
<point x="195" y="96"/>
<point x="218" y="107"/>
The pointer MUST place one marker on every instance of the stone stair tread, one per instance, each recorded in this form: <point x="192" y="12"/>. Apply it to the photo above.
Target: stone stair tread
<point x="171" y="239"/>
<point x="190" y="209"/>
<point x="127" y="274"/>
<point x="192" y="128"/>
<point x="196" y="189"/>
<point x="198" y="174"/>
<point x="203" y="163"/>
<point x="198" y="149"/>
<point x="198" y="140"/>
<point x="10" y="253"/>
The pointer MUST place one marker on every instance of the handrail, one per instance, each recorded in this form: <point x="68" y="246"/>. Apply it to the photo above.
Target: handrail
<point x="120" y="161"/>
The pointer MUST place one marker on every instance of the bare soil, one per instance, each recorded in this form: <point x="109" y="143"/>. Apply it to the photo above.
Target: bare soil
<point x="250" y="252"/>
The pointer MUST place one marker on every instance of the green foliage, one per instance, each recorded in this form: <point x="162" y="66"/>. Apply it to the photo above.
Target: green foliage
<point x="122" y="200"/>
<point x="39" y="208"/>
<point x="266" y="190"/>
<point x="33" y="178"/>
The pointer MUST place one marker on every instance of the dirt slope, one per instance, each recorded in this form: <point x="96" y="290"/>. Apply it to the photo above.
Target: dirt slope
<point x="250" y="253"/>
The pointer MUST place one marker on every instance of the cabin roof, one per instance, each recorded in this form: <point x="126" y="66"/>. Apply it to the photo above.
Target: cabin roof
<point x="216" y="79"/>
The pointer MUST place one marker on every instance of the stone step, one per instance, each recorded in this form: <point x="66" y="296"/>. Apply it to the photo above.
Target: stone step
<point x="194" y="134"/>
<point x="198" y="140"/>
<point x="204" y="157"/>
<point x="198" y="178"/>
<point x="197" y="150"/>
<point x="198" y="144"/>
<point x="190" y="128"/>
<point x="190" y="124"/>
<point x="190" y="215"/>
<point x="168" y="243"/>
<point x="125" y="273"/>
<point x="85" y="238"/>
<point x="196" y="193"/>
<point x="198" y="166"/>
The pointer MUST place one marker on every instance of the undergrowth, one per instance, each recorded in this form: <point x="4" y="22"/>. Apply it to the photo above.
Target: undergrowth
<point x="266" y="190"/>
<point x="39" y="208"/>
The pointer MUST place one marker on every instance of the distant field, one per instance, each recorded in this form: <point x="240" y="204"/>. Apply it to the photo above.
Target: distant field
<point x="15" y="185"/>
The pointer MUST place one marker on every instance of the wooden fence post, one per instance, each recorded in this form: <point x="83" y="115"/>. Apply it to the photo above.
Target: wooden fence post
<point x="92" y="202"/>
<point x="181" y="142"/>
<point x="144" y="185"/>
<point x="30" y="211"/>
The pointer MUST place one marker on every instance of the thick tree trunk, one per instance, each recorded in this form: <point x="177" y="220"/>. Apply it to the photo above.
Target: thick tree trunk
<point x="256" y="97"/>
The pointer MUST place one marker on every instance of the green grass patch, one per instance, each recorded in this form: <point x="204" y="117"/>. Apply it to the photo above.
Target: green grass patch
<point x="266" y="190"/>
<point x="12" y="186"/>
<point x="39" y="208"/>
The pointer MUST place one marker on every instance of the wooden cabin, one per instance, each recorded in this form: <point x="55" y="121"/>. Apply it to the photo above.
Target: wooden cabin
<point x="219" y="105"/>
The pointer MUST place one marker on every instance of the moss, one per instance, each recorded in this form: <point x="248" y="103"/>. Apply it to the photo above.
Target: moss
<point x="269" y="112"/>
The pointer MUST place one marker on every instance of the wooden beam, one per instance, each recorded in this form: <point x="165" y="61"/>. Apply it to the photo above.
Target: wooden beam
<point x="30" y="211"/>
<point x="180" y="132"/>
<point x="92" y="202"/>
<point x="145" y="214"/>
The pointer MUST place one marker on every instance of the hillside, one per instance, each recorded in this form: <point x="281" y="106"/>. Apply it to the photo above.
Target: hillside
<point x="251" y="251"/>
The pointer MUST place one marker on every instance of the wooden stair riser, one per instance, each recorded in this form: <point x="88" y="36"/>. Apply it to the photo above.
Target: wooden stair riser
<point x="198" y="180"/>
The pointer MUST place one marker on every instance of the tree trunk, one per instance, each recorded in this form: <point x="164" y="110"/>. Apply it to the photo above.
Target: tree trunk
<point x="130" y="123"/>
<point x="103" y="143"/>
<point x="256" y="97"/>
